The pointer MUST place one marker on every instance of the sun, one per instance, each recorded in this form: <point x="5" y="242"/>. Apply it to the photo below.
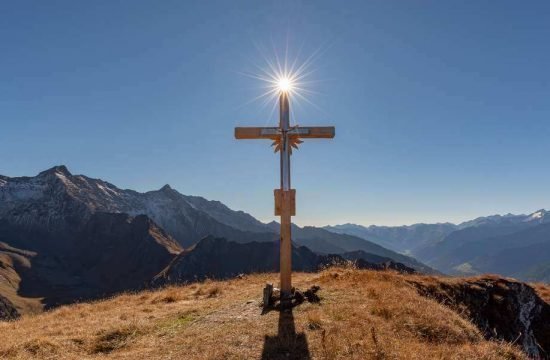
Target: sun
<point x="284" y="84"/>
<point x="281" y="75"/>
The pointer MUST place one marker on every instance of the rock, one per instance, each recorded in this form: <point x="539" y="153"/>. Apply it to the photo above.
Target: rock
<point x="311" y="294"/>
<point x="268" y="295"/>
<point x="7" y="309"/>
<point x="502" y="309"/>
<point x="298" y="297"/>
<point x="314" y="326"/>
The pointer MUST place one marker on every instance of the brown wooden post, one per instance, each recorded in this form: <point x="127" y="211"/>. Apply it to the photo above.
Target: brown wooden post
<point x="285" y="260"/>
<point x="286" y="247"/>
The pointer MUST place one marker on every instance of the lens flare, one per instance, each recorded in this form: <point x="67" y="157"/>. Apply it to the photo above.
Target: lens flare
<point x="284" y="84"/>
<point x="281" y="75"/>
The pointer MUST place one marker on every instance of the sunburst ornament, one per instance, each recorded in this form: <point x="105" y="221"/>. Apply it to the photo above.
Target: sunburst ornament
<point x="293" y="141"/>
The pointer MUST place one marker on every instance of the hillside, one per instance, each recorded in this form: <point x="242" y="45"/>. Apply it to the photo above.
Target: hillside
<point x="218" y="258"/>
<point x="361" y="315"/>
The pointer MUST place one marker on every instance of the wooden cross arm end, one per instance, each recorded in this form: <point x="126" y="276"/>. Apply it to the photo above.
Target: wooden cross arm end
<point x="313" y="132"/>
<point x="257" y="133"/>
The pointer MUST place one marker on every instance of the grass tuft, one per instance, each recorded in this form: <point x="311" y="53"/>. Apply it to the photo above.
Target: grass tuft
<point x="314" y="320"/>
<point x="110" y="340"/>
<point x="214" y="291"/>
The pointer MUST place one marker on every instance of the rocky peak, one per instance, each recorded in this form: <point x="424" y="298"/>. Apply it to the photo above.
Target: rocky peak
<point x="166" y="188"/>
<point x="58" y="169"/>
<point x="538" y="216"/>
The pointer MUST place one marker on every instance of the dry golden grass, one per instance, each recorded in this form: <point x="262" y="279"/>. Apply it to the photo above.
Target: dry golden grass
<point x="362" y="315"/>
<point x="543" y="290"/>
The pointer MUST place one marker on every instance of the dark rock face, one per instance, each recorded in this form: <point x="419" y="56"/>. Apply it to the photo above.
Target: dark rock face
<point x="101" y="255"/>
<point x="118" y="252"/>
<point x="387" y="265"/>
<point x="501" y="309"/>
<point x="7" y="310"/>
<point x="219" y="258"/>
<point x="365" y="260"/>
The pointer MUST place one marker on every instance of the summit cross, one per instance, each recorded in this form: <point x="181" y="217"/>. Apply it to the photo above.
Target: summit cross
<point x="285" y="137"/>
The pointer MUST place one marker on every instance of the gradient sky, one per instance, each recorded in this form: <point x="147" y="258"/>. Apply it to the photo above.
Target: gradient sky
<point x="441" y="108"/>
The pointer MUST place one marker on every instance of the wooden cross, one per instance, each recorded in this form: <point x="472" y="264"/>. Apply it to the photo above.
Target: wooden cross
<point x="284" y="139"/>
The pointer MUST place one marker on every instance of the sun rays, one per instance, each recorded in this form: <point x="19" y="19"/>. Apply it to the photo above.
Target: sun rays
<point x="282" y="73"/>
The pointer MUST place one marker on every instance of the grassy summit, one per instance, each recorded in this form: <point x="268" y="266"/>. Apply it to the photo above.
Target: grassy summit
<point x="362" y="315"/>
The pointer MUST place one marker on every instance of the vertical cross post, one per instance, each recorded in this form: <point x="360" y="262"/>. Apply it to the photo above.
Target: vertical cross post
<point x="285" y="260"/>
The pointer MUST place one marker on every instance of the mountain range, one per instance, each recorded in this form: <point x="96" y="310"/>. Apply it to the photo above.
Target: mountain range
<point x="512" y="245"/>
<point x="66" y="237"/>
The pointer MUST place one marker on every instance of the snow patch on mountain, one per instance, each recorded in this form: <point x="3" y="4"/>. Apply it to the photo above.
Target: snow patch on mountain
<point x="22" y="189"/>
<point x="537" y="216"/>
<point x="187" y="218"/>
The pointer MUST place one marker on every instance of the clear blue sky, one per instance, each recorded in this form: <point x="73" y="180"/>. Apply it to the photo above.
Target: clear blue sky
<point x="441" y="108"/>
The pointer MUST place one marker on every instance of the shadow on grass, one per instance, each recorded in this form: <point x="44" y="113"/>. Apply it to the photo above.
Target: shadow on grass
<point x="287" y="344"/>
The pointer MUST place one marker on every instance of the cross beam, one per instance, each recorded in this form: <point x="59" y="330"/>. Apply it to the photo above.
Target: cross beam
<point x="273" y="133"/>
<point x="285" y="137"/>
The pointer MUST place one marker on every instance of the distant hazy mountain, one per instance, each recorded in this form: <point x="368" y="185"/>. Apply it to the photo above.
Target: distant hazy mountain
<point x="521" y="251"/>
<point x="324" y="241"/>
<point x="538" y="217"/>
<point x="403" y="239"/>
<point x="480" y="237"/>
<point x="512" y="245"/>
